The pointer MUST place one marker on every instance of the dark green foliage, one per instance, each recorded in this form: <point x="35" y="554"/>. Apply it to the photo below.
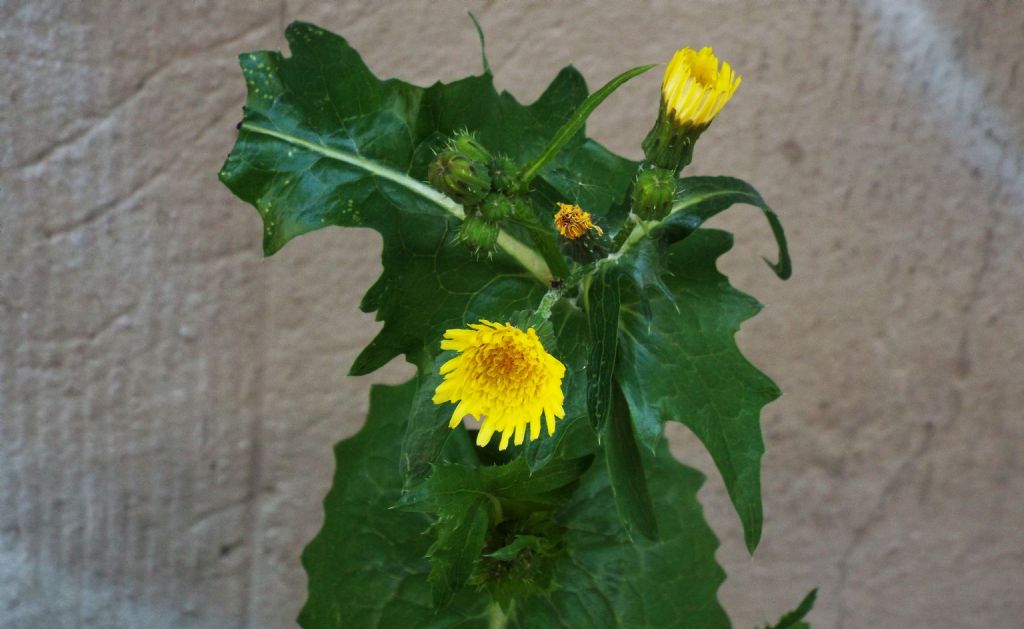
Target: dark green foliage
<point x="597" y="525"/>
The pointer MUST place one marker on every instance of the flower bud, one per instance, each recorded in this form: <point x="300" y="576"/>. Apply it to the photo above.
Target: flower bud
<point x="478" y="233"/>
<point x="652" y="193"/>
<point x="497" y="206"/>
<point x="695" y="89"/>
<point x="458" y="176"/>
<point x="469" y="146"/>
<point x="505" y="174"/>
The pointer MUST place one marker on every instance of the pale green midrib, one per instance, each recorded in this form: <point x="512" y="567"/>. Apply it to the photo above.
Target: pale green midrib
<point x="524" y="255"/>
<point x="681" y="205"/>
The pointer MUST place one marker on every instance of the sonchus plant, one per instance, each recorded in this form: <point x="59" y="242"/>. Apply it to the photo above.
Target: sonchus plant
<point x="560" y="304"/>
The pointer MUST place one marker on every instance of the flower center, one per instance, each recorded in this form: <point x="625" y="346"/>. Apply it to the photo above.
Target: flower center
<point x="704" y="69"/>
<point x="506" y="362"/>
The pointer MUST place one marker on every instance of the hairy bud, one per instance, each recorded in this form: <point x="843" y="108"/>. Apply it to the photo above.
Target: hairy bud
<point x="505" y="174"/>
<point x="652" y="193"/>
<point x="478" y="233"/>
<point x="497" y="206"/>
<point x="458" y="176"/>
<point x="468" y="145"/>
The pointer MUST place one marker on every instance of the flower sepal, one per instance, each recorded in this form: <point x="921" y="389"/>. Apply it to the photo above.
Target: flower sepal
<point x="669" y="145"/>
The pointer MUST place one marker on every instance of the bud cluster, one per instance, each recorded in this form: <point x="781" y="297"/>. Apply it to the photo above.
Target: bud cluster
<point x="486" y="185"/>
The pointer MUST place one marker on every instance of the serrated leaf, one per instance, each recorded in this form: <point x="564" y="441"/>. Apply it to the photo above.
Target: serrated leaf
<point x="469" y="502"/>
<point x="603" y="323"/>
<point x="704" y="197"/>
<point x="325" y="142"/>
<point x="626" y="473"/>
<point x="609" y="582"/>
<point x="367" y="566"/>
<point x="682" y="364"/>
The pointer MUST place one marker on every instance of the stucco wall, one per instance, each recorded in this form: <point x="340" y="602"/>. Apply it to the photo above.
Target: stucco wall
<point x="168" y="398"/>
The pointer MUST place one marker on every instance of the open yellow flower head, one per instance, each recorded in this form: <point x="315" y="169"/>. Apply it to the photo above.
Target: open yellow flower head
<point x="696" y="88"/>
<point x="504" y="378"/>
<point x="572" y="222"/>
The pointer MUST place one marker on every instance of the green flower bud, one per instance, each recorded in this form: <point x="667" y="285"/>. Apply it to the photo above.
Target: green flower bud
<point x="652" y="193"/>
<point x="469" y="146"/>
<point x="478" y="233"/>
<point x="497" y="206"/>
<point x="505" y="174"/>
<point x="460" y="177"/>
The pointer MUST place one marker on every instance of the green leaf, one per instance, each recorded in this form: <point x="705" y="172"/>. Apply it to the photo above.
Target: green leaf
<point x="603" y="322"/>
<point x="451" y="488"/>
<point x="576" y="122"/>
<point x="794" y="619"/>
<point x="470" y="502"/>
<point x="454" y="553"/>
<point x="573" y="435"/>
<point x="324" y="142"/>
<point x="681" y="363"/>
<point x="608" y="581"/>
<point x="704" y="197"/>
<point x="427" y="429"/>
<point x="626" y="473"/>
<point x="519" y="544"/>
<point x="367" y="565"/>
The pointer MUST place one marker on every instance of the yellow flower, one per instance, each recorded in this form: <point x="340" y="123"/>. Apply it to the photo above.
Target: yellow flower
<point x="695" y="88"/>
<point x="572" y="222"/>
<point x="693" y="91"/>
<point x="504" y="378"/>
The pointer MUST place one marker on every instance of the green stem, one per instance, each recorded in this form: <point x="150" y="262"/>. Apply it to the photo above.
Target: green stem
<point x="525" y="256"/>
<point x="497" y="619"/>
<point x="637" y="230"/>
<point x="545" y="243"/>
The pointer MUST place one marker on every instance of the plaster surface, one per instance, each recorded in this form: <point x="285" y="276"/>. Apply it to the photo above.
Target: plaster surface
<point x="168" y="398"/>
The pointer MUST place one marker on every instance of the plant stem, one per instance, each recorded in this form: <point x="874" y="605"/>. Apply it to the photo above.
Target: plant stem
<point x="526" y="257"/>
<point x="497" y="619"/>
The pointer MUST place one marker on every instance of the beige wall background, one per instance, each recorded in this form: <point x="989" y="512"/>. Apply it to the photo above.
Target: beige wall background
<point x="168" y="398"/>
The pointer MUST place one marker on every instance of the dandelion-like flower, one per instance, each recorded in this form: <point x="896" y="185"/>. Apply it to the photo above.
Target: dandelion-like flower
<point x="695" y="89"/>
<point x="572" y="222"/>
<point x="504" y="379"/>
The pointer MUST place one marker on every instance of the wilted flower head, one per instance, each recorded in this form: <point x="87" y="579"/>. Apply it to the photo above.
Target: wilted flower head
<point x="572" y="222"/>
<point x="503" y="378"/>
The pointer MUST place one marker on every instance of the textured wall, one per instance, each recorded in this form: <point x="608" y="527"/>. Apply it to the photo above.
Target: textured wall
<point x="167" y="397"/>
